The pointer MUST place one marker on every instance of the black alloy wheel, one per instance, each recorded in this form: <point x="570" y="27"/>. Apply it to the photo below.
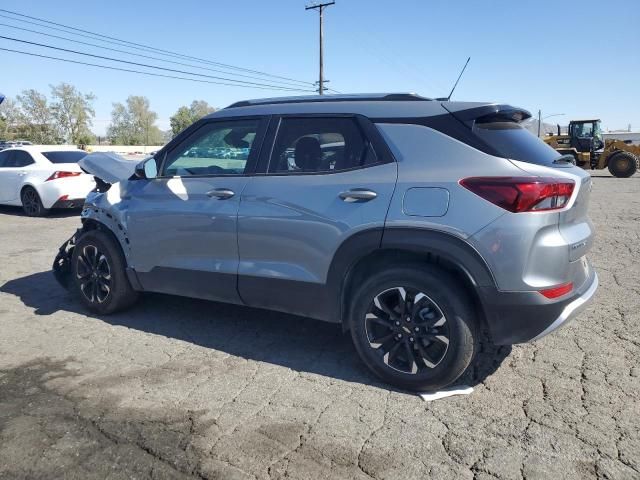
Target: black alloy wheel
<point x="407" y="329"/>
<point x="94" y="274"/>
<point x="414" y="326"/>
<point x="31" y="203"/>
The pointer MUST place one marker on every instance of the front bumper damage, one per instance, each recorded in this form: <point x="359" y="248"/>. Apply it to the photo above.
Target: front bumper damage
<point x="62" y="263"/>
<point x="108" y="170"/>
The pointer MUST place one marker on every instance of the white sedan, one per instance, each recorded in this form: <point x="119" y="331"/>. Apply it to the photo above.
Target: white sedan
<point x="40" y="178"/>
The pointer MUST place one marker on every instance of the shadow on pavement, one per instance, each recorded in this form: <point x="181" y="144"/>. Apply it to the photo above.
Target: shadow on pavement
<point x="298" y="343"/>
<point x="49" y="432"/>
<point x="53" y="214"/>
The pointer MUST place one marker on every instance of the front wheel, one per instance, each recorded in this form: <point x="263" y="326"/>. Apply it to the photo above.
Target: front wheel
<point x="414" y="327"/>
<point x="99" y="276"/>
<point x="623" y="165"/>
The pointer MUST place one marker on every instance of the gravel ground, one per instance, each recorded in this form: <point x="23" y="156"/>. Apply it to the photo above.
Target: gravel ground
<point x="178" y="388"/>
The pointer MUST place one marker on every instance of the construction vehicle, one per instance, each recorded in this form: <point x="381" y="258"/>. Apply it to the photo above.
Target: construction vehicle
<point x="585" y="143"/>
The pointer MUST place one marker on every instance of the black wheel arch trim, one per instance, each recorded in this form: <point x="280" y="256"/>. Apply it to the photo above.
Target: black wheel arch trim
<point x="417" y="241"/>
<point x="444" y="245"/>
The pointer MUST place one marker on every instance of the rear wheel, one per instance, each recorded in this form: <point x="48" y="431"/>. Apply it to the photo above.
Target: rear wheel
<point x="99" y="275"/>
<point x="31" y="203"/>
<point x="623" y="164"/>
<point x="414" y="328"/>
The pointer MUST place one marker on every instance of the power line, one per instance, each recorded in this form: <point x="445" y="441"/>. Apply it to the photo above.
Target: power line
<point x="286" y="82"/>
<point x="101" y="57"/>
<point x="134" y="71"/>
<point x="138" y="45"/>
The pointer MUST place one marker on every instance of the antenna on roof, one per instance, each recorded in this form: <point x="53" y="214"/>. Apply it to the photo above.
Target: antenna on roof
<point x="459" y="76"/>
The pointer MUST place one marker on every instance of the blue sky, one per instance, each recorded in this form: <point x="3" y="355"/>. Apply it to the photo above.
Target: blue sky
<point x="520" y="54"/>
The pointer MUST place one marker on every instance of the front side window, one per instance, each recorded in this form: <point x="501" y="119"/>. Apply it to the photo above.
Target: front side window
<point x="306" y="145"/>
<point x="217" y="148"/>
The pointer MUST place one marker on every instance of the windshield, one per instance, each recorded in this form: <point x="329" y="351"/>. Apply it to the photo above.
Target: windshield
<point x="72" y="156"/>
<point x="512" y="141"/>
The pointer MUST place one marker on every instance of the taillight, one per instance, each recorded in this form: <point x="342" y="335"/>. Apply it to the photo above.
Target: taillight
<point x="558" y="291"/>
<point x="57" y="175"/>
<point x="522" y="194"/>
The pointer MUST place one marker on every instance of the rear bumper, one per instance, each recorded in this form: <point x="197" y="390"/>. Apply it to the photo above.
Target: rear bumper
<point x="519" y="317"/>
<point x="74" y="188"/>
<point x="69" y="203"/>
<point x="572" y="310"/>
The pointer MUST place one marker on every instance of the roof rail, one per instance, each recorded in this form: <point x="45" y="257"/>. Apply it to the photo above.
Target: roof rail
<point x="365" y="97"/>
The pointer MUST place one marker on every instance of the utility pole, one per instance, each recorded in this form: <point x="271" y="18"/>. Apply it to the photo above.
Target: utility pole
<point x="539" y="121"/>
<point x="541" y="118"/>
<point x="320" y="7"/>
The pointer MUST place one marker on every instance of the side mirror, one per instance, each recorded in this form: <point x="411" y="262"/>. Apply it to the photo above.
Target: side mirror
<point x="147" y="169"/>
<point x="1" y="98"/>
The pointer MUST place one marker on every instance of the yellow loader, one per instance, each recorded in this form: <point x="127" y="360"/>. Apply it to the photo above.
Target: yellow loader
<point x="585" y="143"/>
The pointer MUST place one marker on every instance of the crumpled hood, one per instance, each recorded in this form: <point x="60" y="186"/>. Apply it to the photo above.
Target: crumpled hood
<point x="108" y="166"/>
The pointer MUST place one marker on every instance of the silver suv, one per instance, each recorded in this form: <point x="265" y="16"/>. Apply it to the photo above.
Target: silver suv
<point x="416" y="224"/>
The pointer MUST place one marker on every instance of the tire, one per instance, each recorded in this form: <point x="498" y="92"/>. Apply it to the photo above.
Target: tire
<point x="99" y="274"/>
<point x="31" y="203"/>
<point x="623" y="164"/>
<point x="441" y="333"/>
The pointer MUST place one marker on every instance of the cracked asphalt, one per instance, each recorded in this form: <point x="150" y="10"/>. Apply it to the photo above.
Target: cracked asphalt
<point x="178" y="388"/>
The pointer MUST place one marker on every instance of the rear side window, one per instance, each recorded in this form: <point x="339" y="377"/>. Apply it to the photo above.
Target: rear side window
<point x="510" y="140"/>
<point x="308" y="145"/>
<point x="20" y="159"/>
<point x="71" y="156"/>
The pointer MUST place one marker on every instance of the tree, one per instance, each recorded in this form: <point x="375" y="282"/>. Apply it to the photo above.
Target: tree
<point x="9" y="119"/>
<point x="134" y="123"/>
<point x="185" y="116"/>
<point x="35" y="120"/>
<point x="73" y="113"/>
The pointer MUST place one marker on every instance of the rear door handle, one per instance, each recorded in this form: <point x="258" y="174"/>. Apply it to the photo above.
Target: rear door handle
<point x="221" y="193"/>
<point x="358" y="195"/>
<point x="22" y="174"/>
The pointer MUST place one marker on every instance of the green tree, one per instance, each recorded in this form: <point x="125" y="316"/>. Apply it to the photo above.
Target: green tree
<point x="185" y="116"/>
<point x="35" y="119"/>
<point x="9" y="119"/>
<point x="72" y="112"/>
<point x="134" y="123"/>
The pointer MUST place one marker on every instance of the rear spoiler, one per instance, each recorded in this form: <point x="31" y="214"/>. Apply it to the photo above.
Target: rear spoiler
<point x="490" y="113"/>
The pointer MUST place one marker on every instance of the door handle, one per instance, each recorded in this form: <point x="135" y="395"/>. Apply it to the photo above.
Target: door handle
<point x="358" y="195"/>
<point x="221" y="193"/>
<point x="22" y="174"/>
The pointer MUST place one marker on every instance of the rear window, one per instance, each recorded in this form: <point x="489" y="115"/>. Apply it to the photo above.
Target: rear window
<point x="71" y="156"/>
<point x="512" y="141"/>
